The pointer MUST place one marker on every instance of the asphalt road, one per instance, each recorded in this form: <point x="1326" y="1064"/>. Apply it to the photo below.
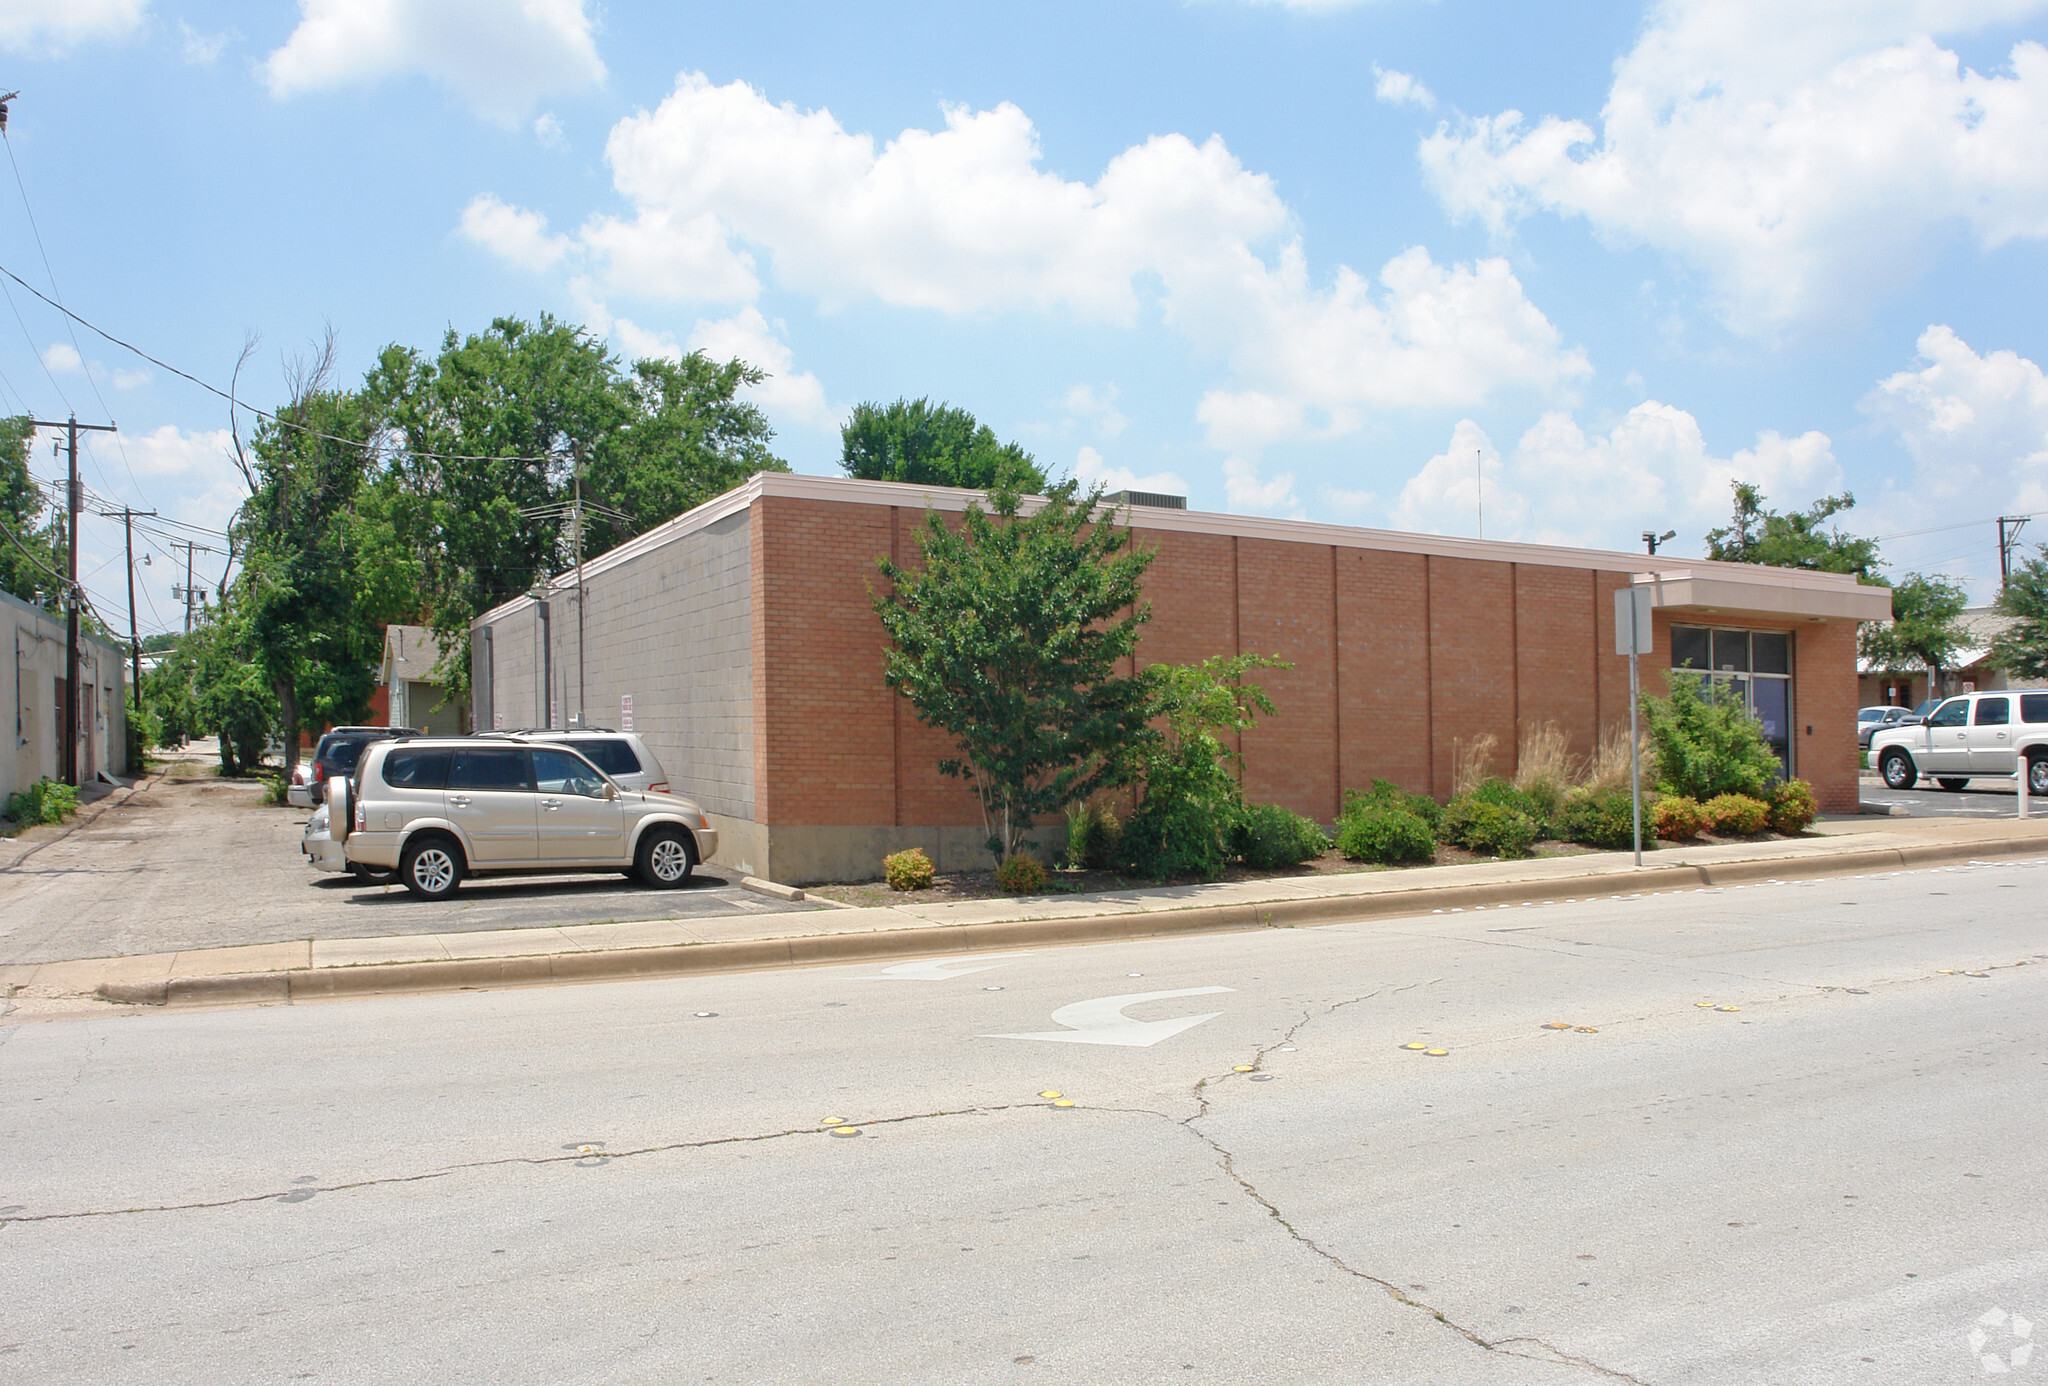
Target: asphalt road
<point x="1834" y="1181"/>
<point x="203" y="863"/>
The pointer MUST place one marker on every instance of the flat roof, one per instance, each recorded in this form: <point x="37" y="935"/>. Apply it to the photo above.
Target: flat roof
<point x="1790" y="591"/>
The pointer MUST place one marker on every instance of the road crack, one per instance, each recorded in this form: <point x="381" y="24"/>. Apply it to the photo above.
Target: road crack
<point x="1526" y="1346"/>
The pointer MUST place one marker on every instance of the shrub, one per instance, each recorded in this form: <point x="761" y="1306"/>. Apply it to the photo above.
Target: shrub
<point x="1708" y="744"/>
<point x="1175" y="835"/>
<point x="911" y="870"/>
<point x="1267" y="836"/>
<point x="1737" y="815"/>
<point x="1472" y="762"/>
<point x="1505" y="795"/>
<point x="1373" y="832"/>
<point x="1387" y="794"/>
<point x="1601" y="818"/>
<point x="1021" y="875"/>
<point x="1793" y="807"/>
<point x="1092" y="832"/>
<point x="1491" y="829"/>
<point x="1678" y="818"/>
<point x="45" y="801"/>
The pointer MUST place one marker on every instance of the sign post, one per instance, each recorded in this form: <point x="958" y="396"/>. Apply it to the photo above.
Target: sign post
<point x="1632" y="637"/>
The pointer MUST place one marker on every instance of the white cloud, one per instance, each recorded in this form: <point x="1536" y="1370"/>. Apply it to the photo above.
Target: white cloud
<point x="131" y="380"/>
<point x="203" y="50"/>
<point x="1091" y="470"/>
<point x="1096" y="409"/>
<point x="55" y="26"/>
<point x="62" y="356"/>
<point x="497" y="56"/>
<point x="547" y="128"/>
<point x="195" y="470"/>
<point x="963" y="220"/>
<point x="1976" y="427"/>
<point x="787" y="394"/>
<point x="1564" y="486"/>
<point x="512" y="233"/>
<point x="1401" y="89"/>
<point x="1803" y="154"/>
<point x="1246" y="491"/>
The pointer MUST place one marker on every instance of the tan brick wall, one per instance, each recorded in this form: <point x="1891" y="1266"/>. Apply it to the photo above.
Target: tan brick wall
<point x="1383" y="668"/>
<point x="1472" y="663"/>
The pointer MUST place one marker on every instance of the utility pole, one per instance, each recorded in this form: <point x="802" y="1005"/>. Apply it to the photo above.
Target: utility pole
<point x="127" y="517"/>
<point x="188" y="592"/>
<point x="2008" y="539"/>
<point x="74" y="501"/>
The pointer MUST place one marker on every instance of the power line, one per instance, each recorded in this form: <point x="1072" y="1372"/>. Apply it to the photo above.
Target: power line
<point x="238" y="404"/>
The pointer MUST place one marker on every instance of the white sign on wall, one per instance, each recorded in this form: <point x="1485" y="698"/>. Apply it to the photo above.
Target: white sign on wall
<point x="497" y="721"/>
<point x="625" y="712"/>
<point x="554" y="713"/>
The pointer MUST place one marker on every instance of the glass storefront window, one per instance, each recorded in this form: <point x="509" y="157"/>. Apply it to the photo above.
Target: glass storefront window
<point x="1752" y="666"/>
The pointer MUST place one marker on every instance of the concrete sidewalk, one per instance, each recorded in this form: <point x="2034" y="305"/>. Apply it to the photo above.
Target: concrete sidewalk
<point x="323" y="968"/>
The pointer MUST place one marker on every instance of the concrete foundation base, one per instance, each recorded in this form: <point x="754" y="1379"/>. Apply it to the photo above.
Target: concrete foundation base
<point x="810" y="854"/>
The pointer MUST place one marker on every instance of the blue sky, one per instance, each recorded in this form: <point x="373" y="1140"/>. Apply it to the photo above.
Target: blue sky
<point x="1316" y="258"/>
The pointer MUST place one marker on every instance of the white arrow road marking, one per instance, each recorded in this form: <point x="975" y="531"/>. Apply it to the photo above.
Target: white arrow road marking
<point x="939" y="969"/>
<point x="1102" y="1020"/>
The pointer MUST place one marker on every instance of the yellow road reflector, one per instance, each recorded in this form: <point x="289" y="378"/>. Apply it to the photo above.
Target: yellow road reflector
<point x="1976" y="974"/>
<point x="1704" y="1005"/>
<point x="1438" y="1053"/>
<point x="1417" y="1045"/>
<point x="833" y="1121"/>
<point x="1588" y="1030"/>
<point x="1557" y="1025"/>
<point x="1946" y="971"/>
<point x="846" y="1130"/>
<point x="1241" y="1068"/>
<point x="1050" y="1092"/>
<point x="1064" y="1102"/>
<point x="1727" y="1008"/>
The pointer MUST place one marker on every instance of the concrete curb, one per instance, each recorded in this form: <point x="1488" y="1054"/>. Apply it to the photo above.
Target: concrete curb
<point x="679" y="960"/>
<point x="770" y="889"/>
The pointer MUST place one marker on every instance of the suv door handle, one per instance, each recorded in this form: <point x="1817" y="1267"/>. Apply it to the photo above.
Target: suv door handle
<point x="551" y="803"/>
<point x="459" y="800"/>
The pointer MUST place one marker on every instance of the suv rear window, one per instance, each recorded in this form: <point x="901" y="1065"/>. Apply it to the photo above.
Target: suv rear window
<point x="342" y="752"/>
<point x="417" y="769"/>
<point x="2034" y="707"/>
<point x="613" y="756"/>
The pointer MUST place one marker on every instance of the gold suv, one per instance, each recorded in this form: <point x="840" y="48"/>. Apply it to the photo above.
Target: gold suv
<point x="437" y="809"/>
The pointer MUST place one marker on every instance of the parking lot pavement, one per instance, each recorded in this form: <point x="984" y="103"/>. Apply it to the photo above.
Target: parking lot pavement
<point x="1977" y="799"/>
<point x="197" y="862"/>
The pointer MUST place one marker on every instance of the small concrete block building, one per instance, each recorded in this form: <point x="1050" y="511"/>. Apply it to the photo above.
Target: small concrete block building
<point x="39" y="666"/>
<point x="740" y="642"/>
<point x="414" y="697"/>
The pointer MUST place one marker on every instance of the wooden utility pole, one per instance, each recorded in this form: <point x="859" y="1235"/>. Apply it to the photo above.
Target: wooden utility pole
<point x="74" y="501"/>
<point x="188" y="593"/>
<point x="127" y="518"/>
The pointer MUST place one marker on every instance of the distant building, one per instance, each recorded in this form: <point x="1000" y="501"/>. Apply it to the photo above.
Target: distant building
<point x="1972" y="672"/>
<point x="415" y="698"/>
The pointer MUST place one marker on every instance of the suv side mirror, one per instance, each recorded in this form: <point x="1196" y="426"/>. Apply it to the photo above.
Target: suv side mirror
<point x="611" y="791"/>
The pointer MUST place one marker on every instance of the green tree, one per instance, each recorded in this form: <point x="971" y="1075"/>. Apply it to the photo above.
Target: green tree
<point x="315" y="587"/>
<point x="494" y="435"/>
<point x="2023" y="650"/>
<point x="32" y="560"/>
<point x="933" y="445"/>
<point x="1009" y="640"/>
<point x="224" y="692"/>
<point x="1925" y="631"/>
<point x="1758" y="534"/>
<point x="1192" y="802"/>
<point x="1707" y="741"/>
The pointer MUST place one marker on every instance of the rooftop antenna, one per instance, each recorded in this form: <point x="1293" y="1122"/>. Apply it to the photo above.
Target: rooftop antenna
<point x="1479" y="472"/>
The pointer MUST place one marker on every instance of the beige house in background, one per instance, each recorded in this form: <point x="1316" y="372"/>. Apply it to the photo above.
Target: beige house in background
<point x="407" y="672"/>
<point x="1972" y="672"/>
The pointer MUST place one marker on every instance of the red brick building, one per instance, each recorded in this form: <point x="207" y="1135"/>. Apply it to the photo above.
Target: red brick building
<point x="740" y="642"/>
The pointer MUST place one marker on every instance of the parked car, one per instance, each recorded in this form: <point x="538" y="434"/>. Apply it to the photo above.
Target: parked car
<point x="438" y="809"/>
<point x="338" y="752"/>
<point x="1871" y="720"/>
<point x="621" y="755"/>
<point x="299" y="793"/>
<point x="1975" y="735"/>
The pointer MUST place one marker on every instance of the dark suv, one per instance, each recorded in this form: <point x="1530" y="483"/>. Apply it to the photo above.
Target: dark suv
<point x="340" y="749"/>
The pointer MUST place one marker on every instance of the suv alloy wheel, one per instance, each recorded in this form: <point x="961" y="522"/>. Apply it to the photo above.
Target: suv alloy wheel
<point x="1897" y="769"/>
<point x="431" y="867"/>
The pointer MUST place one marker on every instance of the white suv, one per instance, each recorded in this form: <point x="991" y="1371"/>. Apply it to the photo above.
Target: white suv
<point x="437" y="809"/>
<point x="621" y="755"/>
<point x="1977" y="734"/>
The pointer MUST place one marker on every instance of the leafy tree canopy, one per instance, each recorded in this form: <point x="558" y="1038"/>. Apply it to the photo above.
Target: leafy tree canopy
<point x="933" y="445"/>
<point x="1010" y="639"/>
<point x="2023" y="650"/>
<point x="32" y="563"/>
<point x="1925" y="631"/>
<point x="1801" y="539"/>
